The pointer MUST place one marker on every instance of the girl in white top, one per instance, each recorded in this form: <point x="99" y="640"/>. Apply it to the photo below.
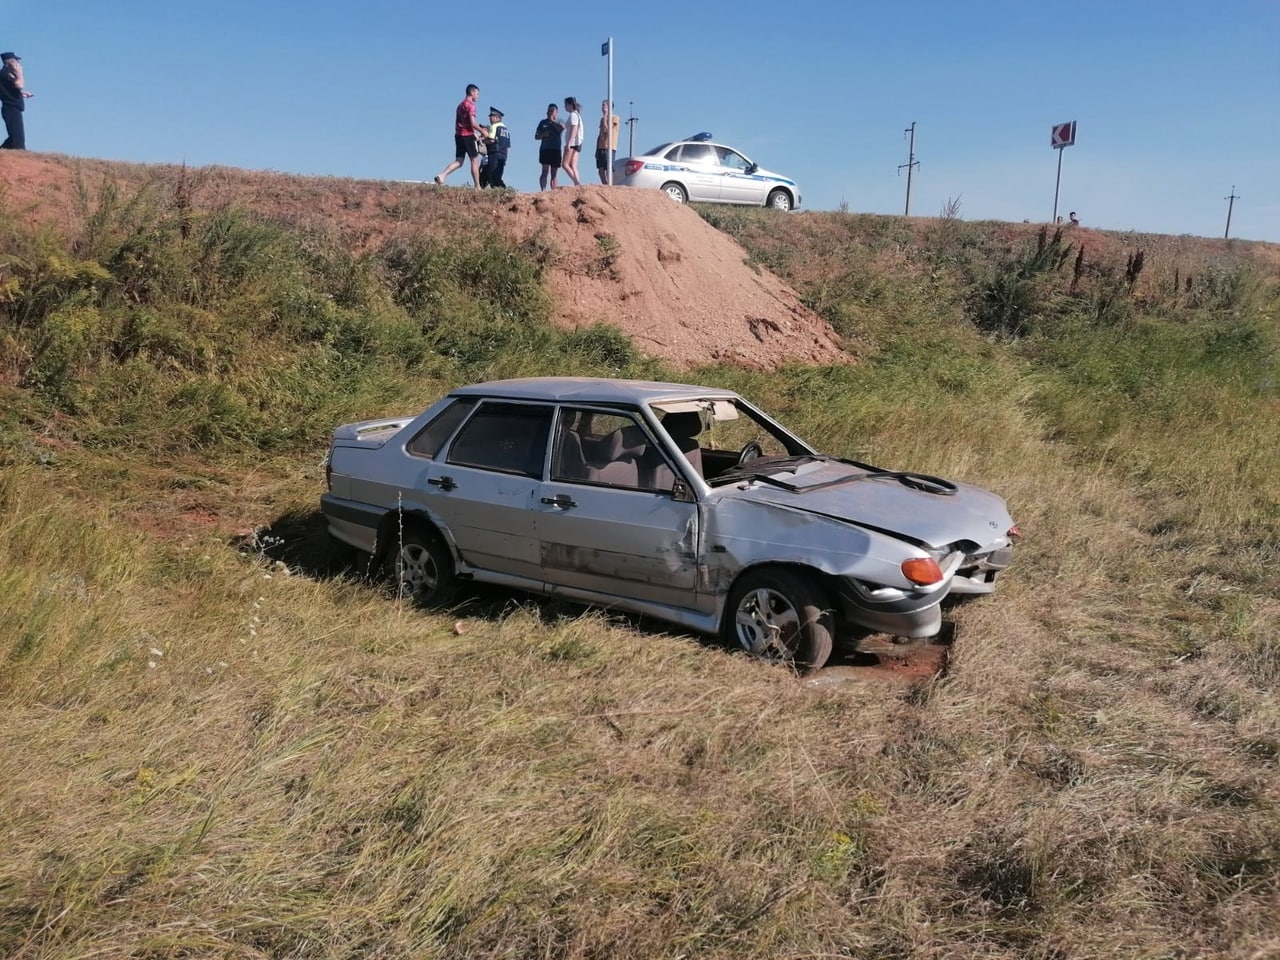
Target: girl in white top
<point x="572" y="139"/>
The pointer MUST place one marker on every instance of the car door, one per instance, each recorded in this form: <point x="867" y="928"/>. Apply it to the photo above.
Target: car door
<point x="605" y="522"/>
<point x="701" y="171"/>
<point x="485" y="486"/>
<point x="737" y="185"/>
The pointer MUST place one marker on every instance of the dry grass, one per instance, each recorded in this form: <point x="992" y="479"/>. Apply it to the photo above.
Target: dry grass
<point x="206" y="754"/>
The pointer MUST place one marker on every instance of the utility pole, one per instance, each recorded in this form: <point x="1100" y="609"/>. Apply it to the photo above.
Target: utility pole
<point x="911" y="163"/>
<point x="1231" y="202"/>
<point x="632" y="120"/>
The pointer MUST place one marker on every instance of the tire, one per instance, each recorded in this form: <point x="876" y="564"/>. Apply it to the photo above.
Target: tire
<point x="421" y="568"/>
<point x="675" y="192"/>
<point x="780" y="200"/>
<point x="778" y="615"/>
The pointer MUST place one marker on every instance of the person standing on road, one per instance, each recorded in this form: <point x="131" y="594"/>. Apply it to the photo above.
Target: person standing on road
<point x="13" y="97"/>
<point x="572" y="139"/>
<point x="549" y="154"/>
<point x="606" y="141"/>
<point x="465" y="131"/>
<point x="497" y="142"/>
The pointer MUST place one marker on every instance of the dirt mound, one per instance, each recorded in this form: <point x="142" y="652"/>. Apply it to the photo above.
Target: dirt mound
<point x="681" y="289"/>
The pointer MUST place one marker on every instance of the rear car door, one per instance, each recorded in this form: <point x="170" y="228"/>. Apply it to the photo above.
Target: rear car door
<point x="701" y="171"/>
<point x="608" y="520"/>
<point x="485" y="486"/>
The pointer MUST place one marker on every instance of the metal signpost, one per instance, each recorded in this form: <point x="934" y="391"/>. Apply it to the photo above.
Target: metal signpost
<point x="606" y="51"/>
<point x="1063" y="135"/>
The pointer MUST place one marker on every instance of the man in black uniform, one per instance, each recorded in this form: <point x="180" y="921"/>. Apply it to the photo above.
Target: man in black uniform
<point x="497" y="143"/>
<point x="13" y="94"/>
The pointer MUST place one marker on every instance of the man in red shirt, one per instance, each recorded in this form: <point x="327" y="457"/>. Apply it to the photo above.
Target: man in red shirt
<point x="465" y="132"/>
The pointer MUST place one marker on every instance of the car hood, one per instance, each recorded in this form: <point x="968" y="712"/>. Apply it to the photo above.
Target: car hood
<point x="762" y="174"/>
<point x="911" y="506"/>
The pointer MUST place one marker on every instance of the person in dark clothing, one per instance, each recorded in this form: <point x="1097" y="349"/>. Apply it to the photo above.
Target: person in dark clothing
<point x="497" y="144"/>
<point x="548" y="134"/>
<point x="13" y="96"/>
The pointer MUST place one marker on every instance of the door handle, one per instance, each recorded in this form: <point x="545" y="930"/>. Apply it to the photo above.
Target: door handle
<point x="444" y="483"/>
<point x="560" y="500"/>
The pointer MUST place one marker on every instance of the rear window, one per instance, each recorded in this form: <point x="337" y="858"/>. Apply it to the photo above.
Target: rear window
<point x="507" y="437"/>
<point x="697" y="153"/>
<point x="432" y="437"/>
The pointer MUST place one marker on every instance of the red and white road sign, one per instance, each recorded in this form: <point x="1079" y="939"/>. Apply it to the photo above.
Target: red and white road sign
<point x="1064" y="135"/>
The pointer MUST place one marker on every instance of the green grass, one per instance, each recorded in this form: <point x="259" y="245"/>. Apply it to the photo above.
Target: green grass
<point x="215" y="742"/>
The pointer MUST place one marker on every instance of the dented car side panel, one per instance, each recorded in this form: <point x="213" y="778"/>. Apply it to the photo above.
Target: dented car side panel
<point x="619" y="542"/>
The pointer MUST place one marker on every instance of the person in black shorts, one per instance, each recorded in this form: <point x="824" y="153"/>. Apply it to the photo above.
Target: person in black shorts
<point x="548" y="135"/>
<point x="465" y="131"/>
<point x="606" y="141"/>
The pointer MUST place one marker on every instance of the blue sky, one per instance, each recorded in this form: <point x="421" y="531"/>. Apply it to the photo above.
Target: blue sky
<point x="1176" y="101"/>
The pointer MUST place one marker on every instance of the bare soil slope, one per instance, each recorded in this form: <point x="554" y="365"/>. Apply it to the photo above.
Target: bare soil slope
<point x="682" y="290"/>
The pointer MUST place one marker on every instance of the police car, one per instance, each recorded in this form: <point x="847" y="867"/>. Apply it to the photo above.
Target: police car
<point x="698" y="169"/>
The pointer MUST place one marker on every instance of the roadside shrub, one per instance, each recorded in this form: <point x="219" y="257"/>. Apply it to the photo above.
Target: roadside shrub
<point x="1017" y="295"/>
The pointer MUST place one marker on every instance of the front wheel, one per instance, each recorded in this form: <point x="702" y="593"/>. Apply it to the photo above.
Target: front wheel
<point x="780" y="616"/>
<point x="780" y="200"/>
<point x="675" y="192"/>
<point x="421" y="568"/>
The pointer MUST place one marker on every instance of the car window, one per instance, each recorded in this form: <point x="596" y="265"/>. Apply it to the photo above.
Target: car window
<point x="507" y="437"/>
<point x="697" y="153"/>
<point x="432" y="437"/>
<point x="607" y="449"/>
<point x="731" y="158"/>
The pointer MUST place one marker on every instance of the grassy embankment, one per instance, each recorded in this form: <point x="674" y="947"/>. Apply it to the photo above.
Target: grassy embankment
<point x="217" y="745"/>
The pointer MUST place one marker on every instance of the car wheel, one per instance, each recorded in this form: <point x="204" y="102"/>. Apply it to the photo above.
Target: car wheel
<point x="421" y="568"/>
<point x="675" y="192"/>
<point x="780" y="200"/>
<point x="778" y="615"/>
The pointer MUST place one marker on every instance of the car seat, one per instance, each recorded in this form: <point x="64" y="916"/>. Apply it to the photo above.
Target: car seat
<point x="684" y="428"/>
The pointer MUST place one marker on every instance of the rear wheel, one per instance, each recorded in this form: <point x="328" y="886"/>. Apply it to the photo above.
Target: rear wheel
<point x="675" y="192"/>
<point x="781" y="616"/>
<point x="421" y="567"/>
<point x="780" y="200"/>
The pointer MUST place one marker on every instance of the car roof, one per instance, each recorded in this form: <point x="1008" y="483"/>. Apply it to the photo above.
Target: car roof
<point x="591" y="390"/>
<point x="652" y="151"/>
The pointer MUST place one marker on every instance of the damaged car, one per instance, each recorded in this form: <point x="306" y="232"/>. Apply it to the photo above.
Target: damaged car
<point x="679" y="502"/>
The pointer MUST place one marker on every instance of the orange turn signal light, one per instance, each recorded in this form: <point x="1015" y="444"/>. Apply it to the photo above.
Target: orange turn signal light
<point x="922" y="570"/>
<point x="1014" y="533"/>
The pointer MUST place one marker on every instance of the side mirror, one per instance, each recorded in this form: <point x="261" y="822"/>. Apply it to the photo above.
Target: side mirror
<point x="680" y="492"/>
<point x="752" y="167"/>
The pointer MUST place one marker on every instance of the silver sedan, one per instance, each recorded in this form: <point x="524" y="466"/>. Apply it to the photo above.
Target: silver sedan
<point x="699" y="170"/>
<point x="679" y="502"/>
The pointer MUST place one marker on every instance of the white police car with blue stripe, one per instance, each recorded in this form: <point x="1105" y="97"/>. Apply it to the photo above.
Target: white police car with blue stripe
<point x="699" y="170"/>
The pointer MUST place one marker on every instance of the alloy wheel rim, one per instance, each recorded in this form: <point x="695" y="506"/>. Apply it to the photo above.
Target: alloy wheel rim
<point x="418" y="573"/>
<point x="767" y="624"/>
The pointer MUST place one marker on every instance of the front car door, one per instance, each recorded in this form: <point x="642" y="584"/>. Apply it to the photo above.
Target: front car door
<point x="486" y="485"/>
<point x="736" y="184"/>
<point x="609" y="521"/>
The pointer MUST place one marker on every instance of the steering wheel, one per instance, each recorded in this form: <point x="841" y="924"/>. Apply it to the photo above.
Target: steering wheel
<point x="750" y="450"/>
